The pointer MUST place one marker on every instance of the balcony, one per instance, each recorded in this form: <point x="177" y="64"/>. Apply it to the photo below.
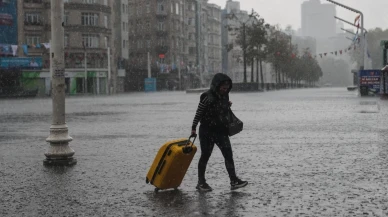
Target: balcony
<point x="83" y="6"/>
<point x="87" y="29"/>
<point x="89" y="7"/>
<point x="35" y="4"/>
<point x="161" y="14"/>
<point x="161" y="33"/>
<point x="33" y="51"/>
<point x="33" y="26"/>
<point x="161" y="49"/>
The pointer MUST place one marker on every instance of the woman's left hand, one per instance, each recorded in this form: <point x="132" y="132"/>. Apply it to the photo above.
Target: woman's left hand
<point x="230" y="103"/>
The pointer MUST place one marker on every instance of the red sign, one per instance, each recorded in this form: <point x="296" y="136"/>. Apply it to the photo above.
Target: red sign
<point x="161" y="56"/>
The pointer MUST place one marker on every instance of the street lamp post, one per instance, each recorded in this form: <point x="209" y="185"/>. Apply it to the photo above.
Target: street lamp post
<point x="362" y="28"/>
<point x="59" y="152"/>
<point x="244" y="54"/>
<point x="348" y="23"/>
<point x="365" y="41"/>
<point x="348" y="31"/>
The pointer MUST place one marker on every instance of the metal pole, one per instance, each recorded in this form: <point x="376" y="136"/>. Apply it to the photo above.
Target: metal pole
<point x="51" y="67"/>
<point x="198" y="31"/>
<point x="362" y="28"/>
<point x="348" y="22"/>
<point x="148" y="65"/>
<point x="363" y="40"/>
<point x="59" y="152"/>
<point x="348" y="31"/>
<point x="109" y="72"/>
<point x="244" y="55"/>
<point x="86" y="73"/>
<point x="179" y="72"/>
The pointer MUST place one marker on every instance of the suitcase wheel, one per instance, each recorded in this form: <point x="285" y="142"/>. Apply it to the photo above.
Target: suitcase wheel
<point x="157" y="190"/>
<point x="147" y="181"/>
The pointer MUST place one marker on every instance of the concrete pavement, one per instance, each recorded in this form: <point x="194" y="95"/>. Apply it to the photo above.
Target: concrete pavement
<point x="310" y="152"/>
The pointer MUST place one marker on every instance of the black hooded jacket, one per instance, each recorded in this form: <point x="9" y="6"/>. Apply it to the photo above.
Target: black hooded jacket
<point x="213" y="108"/>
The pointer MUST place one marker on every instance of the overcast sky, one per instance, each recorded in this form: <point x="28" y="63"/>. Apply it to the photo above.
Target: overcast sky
<point x="288" y="12"/>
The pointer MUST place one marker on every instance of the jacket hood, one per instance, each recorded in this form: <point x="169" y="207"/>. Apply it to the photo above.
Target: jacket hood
<point x="218" y="79"/>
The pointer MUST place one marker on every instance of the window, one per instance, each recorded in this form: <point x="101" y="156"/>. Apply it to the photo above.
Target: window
<point x="89" y="1"/>
<point x="32" y="18"/>
<point x="123" y="7"/>
<point x="139" y="11"/>
<point x="90" y="40"/>
<point x="193" y="7"/>
<point x="32" y="40"/>
<point x="66" y="43"/>
<point x="139" y="26"/>
<point x="106" y="21"/>
<point x="191" y="50"/>
<point x="148" y="8"/>
<point x="106" y="42"/>
<point x="66" y="18"/>
<point x="191" y="22"/>
<point x="177" y="8"/>
<point x="89" y="19"/>
<point x="139" y="44"/>
<point x="124" y="43"/>
<point x="161" y="26"/>
<point x="160" y="7"/>
<point x="148" y="43"/>
<point x="172" y="7"/>
<point x="123" y="26"/>
<point x="106" y="2"/>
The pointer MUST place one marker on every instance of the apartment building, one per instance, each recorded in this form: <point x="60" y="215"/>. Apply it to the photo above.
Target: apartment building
<point x="88" y="34"/>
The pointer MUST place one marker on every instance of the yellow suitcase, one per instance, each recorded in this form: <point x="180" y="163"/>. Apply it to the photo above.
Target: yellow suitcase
<point x="171" y="163"/>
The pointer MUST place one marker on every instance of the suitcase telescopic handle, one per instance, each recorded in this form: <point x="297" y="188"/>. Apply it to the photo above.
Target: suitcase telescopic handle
<point x="188" y="148"/>
<point x="191" y="136"/>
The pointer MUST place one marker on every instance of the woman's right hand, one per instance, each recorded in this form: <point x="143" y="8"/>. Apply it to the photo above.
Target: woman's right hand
<point x="193" y="132"/>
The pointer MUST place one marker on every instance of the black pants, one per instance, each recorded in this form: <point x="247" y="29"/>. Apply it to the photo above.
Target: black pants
<point x="208" y="139"/>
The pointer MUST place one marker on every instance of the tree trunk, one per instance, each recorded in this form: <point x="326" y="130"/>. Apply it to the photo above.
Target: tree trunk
<point x="257" y="70"/>
<point x="252" y="68"/>
<point x="262" y="75"/>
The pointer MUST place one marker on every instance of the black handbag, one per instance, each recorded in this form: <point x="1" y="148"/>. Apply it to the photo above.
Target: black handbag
<point x="235" y="124"/>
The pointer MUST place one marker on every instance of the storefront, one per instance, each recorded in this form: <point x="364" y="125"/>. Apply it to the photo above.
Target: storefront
<point x="74" y="80"/>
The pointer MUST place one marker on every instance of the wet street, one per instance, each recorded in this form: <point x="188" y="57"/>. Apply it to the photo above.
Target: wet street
<point x="311" y="152"/>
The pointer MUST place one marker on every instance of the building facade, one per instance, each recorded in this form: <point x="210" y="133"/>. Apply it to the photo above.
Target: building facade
<point x="318" y="19"/>
<point x="156" y="28"/>
<point x="88" y="34"/>
<point x="214" y="40"/>
<point x="167" y="30"/>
